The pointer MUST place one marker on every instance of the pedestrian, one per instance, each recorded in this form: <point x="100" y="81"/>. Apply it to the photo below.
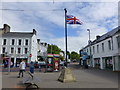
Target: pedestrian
<point x="32" y="67"/>
<point x="22" y="68"/>
<point x="5" y="64"/>
<point x="39" y="68"/>
<point x="11" y="64"/>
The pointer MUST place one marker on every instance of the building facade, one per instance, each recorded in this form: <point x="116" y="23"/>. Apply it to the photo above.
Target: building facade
<point x="19" y="45"/>
<point x="104" y="51"/>
<point x="42" y="50"/>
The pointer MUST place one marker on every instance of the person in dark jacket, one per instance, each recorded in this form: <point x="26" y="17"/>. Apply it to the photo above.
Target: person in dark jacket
<point x="32" y="67"/>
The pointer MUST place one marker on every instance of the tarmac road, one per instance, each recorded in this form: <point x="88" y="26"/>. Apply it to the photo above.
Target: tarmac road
<point x="86" y="78"/>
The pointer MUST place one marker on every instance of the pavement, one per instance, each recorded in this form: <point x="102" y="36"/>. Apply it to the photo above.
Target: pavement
<point x="86" y="78"/>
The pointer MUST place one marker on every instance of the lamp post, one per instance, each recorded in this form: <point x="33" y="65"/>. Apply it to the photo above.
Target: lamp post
<point x="89" y="43"/>
<point x="89" y="36"/>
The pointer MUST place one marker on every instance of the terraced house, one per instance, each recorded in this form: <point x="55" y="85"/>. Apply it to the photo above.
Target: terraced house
<point x="105" y="51"/>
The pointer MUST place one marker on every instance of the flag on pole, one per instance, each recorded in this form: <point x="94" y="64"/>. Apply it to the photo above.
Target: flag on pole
<point x="72" y="20"/>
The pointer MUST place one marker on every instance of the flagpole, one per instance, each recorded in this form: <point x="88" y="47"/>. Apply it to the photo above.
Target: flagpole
<point x="70" y="77"/>
<point x="66" y="35"/>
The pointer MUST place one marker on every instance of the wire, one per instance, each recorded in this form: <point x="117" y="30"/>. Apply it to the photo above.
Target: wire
<point x="30" y="10"/>
<point x="12" y="9"/>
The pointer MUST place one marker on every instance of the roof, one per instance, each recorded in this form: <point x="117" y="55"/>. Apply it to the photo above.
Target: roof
<point x="105" y="36"/>
<point x="18" y="34"/>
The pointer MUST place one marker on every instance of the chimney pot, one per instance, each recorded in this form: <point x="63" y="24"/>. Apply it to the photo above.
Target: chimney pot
<point x="34" y="31"/>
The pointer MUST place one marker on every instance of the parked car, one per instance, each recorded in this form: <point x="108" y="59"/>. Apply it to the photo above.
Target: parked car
<point x="74" y="60"/>
<point x="42" y="62"/>
<point x="36" y="65"/>
<point x="62" y="63"/>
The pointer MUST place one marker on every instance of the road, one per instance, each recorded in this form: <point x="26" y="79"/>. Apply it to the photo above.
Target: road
<point x="86" y="78"/>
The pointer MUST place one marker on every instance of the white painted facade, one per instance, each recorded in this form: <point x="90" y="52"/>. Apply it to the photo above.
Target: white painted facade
<point x="42" y="49"/>
<point x="16" y="51"/>
<point x="34" y="48"/>
<point x="105" y="55"/>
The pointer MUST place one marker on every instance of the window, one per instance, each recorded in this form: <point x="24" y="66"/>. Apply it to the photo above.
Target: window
<point x="4" y="42"/>
<point x="97" y="48"/>
<point x="19" y="42"/>
<point x="118" y="41"/>
<point x="13" y="41"/>
<point x="26" y="49"/>
<point x="109" y="45"/>
<point x="87" y="50"/>
<point x="26" y="42"/>
<point x="3" y="50"/>
<point x="12" y="50"/>
<point x="19" y="50"/>
<point x="93" y="49"/>
<point x="103" y="47"/>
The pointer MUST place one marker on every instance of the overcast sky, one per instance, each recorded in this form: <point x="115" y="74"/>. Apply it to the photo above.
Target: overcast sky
<point x="48" y="19"/>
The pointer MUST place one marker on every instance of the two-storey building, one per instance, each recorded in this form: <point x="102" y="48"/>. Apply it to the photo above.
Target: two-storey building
<point x="105" y="51"/>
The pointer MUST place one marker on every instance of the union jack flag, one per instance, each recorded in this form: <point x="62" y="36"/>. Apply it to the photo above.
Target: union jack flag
<point x="72" y="20"/>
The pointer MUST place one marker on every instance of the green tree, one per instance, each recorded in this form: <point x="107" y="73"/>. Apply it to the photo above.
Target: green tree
<point x="74" y="55"/>
<point x="53" y="49"/>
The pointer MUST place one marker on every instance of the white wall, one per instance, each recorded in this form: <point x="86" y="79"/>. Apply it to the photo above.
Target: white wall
<point x="106" y="53"/>
<point x="34" y="48"/>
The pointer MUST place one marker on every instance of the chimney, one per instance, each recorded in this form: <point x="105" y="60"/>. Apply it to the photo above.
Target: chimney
<point x="97" y="37"/>
<point x="34" y="31"/>
<point x="6" y="28"/>
<point x="45" y="44"/>
<point x="38" y="40"/>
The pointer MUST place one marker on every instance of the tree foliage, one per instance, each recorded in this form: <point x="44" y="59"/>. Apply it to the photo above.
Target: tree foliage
<point x="53" y="49"/>
<point x="74" y="55"/>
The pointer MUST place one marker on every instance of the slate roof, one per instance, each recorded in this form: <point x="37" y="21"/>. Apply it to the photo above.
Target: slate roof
<point x="18" y="34"/>
<point x="105" y="36"/>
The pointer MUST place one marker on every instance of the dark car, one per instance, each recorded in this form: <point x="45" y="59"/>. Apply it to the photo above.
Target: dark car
<point x="36" y="65"/>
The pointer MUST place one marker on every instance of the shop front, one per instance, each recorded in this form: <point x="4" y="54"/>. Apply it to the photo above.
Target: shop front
<point x="97" y="62"/>
<point x="18" y="60"/>
<point x="108" y="63"/>
<point x="116" y="63"/>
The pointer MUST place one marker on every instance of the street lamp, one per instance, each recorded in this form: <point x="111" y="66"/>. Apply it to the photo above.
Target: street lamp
<point x="89" y="36"/>
<point x="89" y="43"/>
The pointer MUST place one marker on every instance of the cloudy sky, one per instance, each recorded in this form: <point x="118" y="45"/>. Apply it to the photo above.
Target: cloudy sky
<point x="48" y="19"/>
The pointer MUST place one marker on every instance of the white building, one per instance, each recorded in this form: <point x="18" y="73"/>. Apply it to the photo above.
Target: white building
<point x="42" y="49"/>
<point x="105" y="51"/>
<point x="19" y="45"/>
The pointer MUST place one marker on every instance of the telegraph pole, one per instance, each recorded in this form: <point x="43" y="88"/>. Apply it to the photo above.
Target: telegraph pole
<point x="66" y="35"/>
